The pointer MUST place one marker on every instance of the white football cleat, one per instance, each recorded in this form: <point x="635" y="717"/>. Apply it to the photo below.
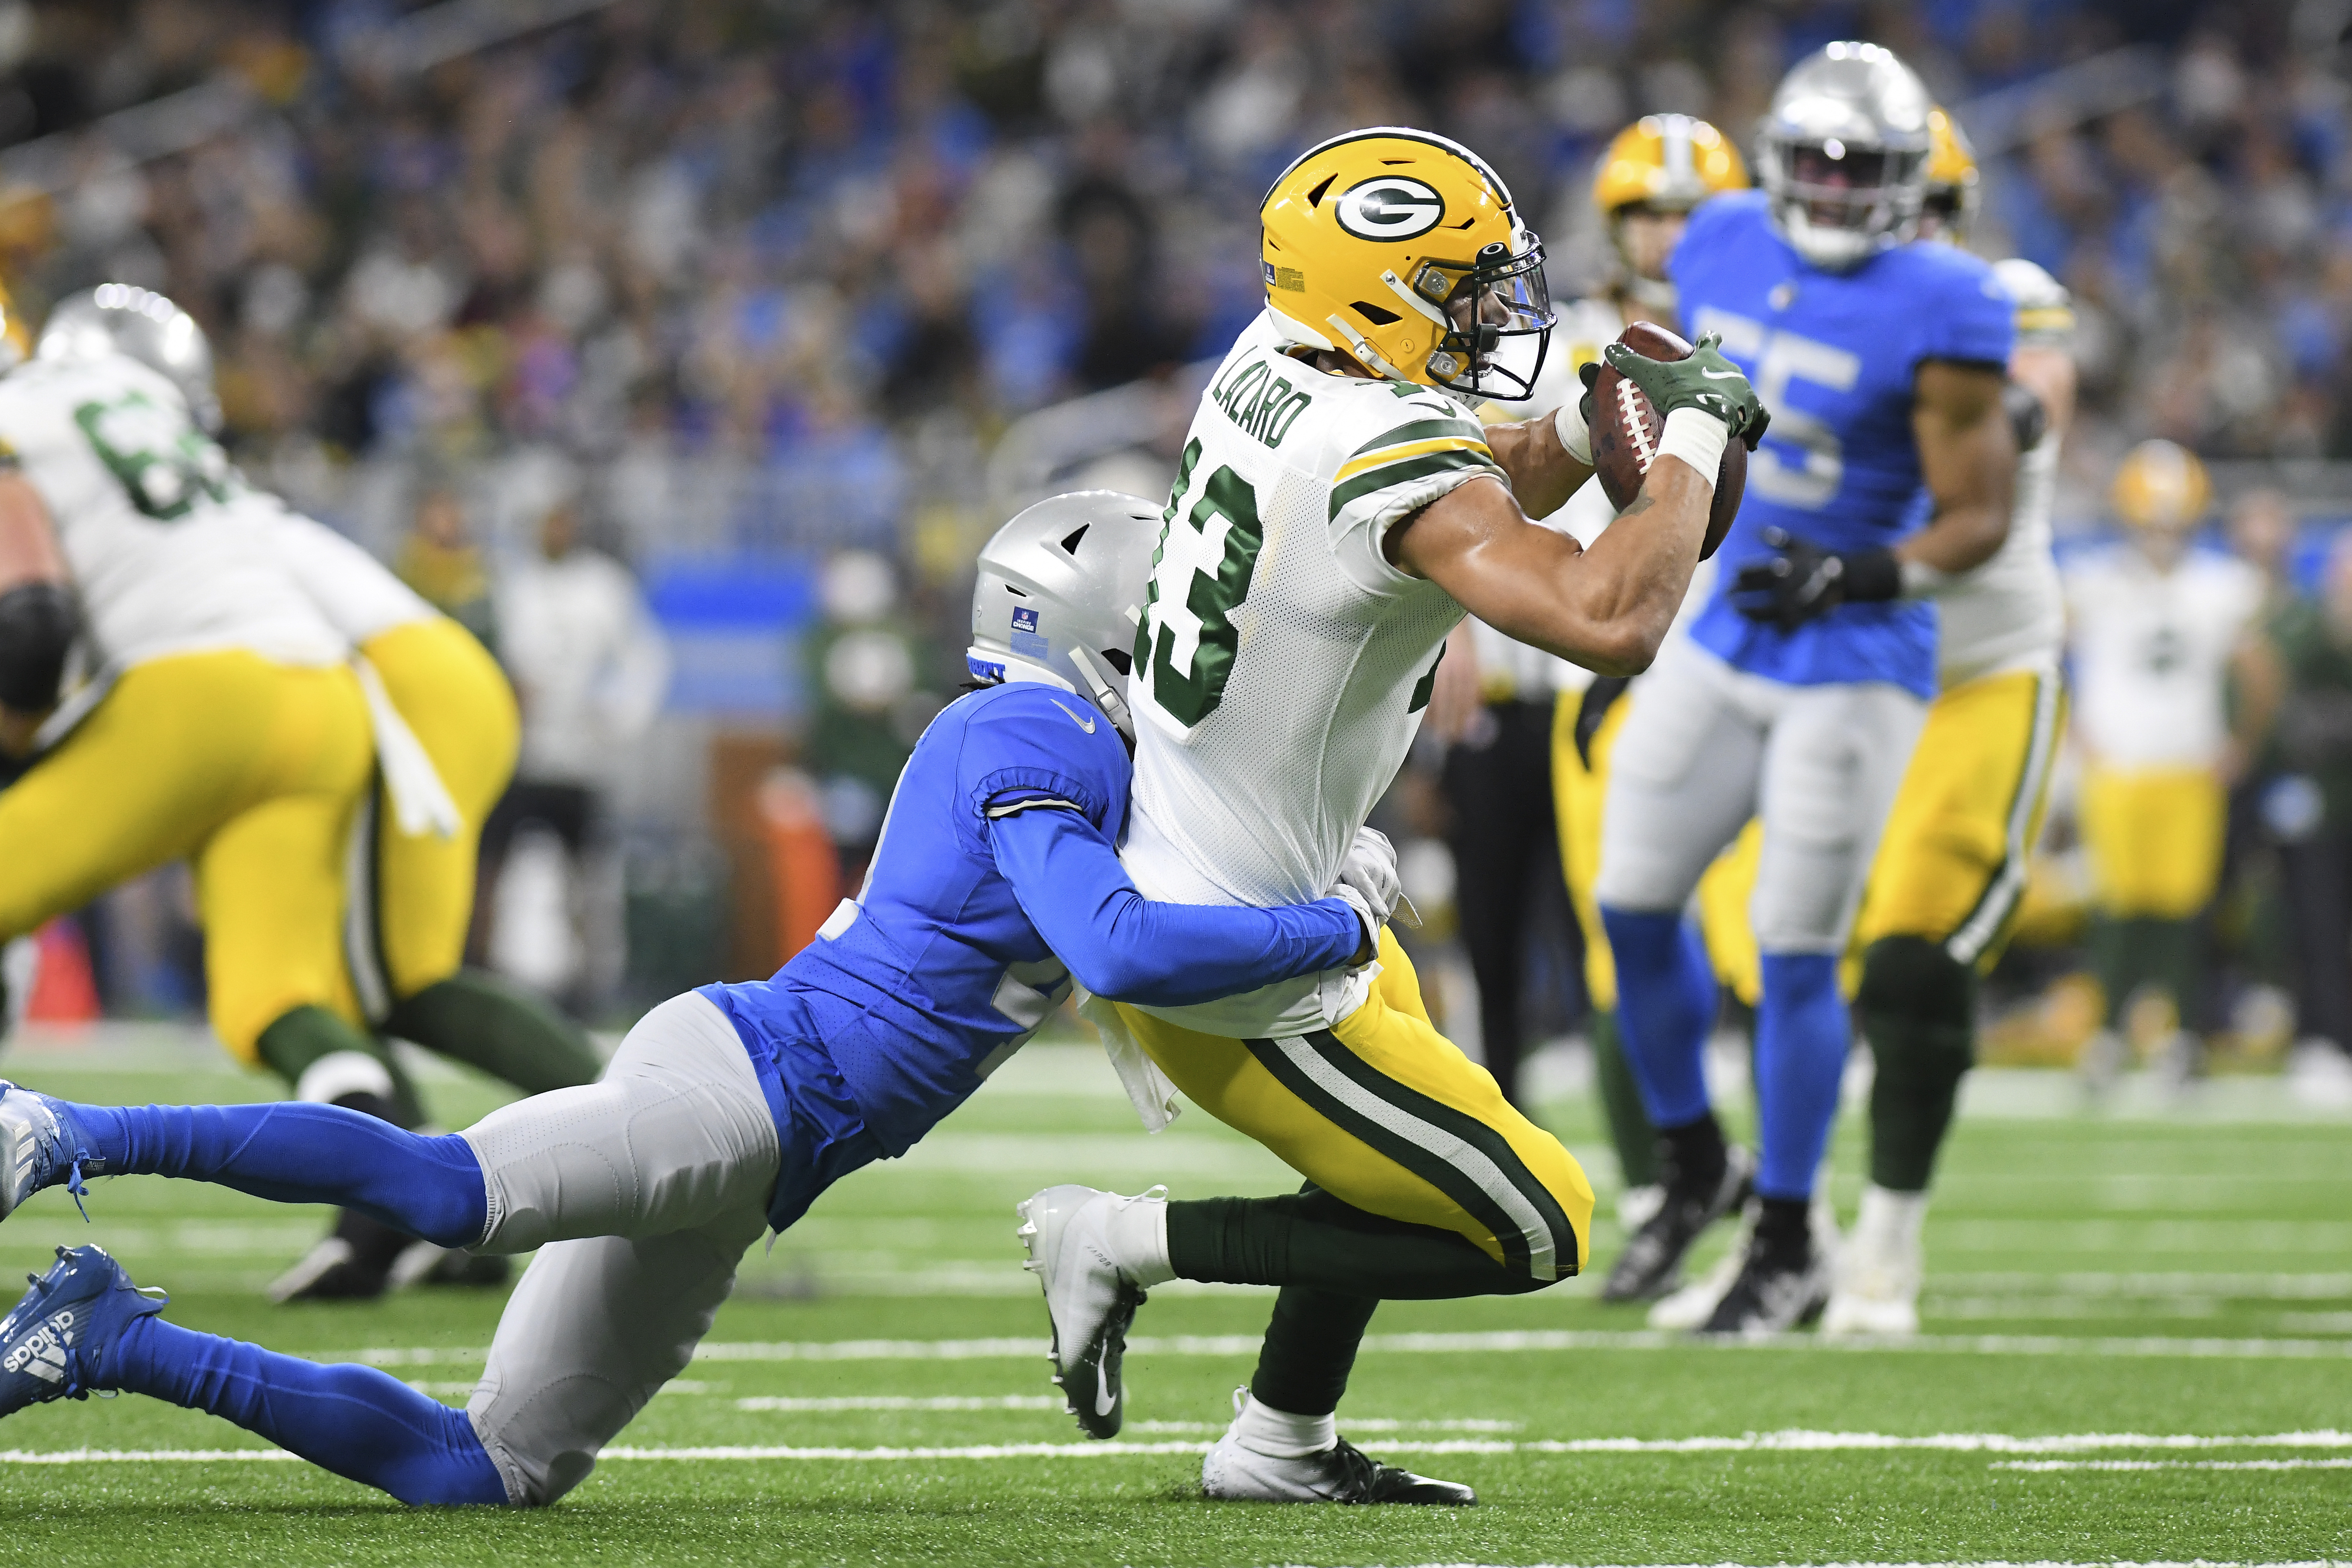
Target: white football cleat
<point x="1088" y="1300"/>
<point x="1341" y="1473"/>
<point x="1881" y="1268"/>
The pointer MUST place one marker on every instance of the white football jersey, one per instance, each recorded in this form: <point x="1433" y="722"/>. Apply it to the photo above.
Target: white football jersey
<point x="2010" y="612"/>
<point x="1282" y="663"/>
<point x="156" y="525"/>
<point x="2152" y="651"/>
<point x="357" y="593"/>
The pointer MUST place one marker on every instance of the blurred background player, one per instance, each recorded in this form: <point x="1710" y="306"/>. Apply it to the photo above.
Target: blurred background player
<point x="2156" y="628"/>
<point x="1799" y="693"/>
<point x="589" y="667"/>
<point x="443" y="723"/>
<point x="1951" y="867"/>
<point x="214" y="717"/>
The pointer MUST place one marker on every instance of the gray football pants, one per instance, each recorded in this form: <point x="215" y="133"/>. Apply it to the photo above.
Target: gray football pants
<point x="641" y="1192"/>
<point x="1706" y="747"/>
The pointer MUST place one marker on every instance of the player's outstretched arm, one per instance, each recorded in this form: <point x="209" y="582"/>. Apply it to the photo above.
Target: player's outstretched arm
<point x="1119" y="944"/>
<point x="1606" y="608"/>
<point x="38" y="616"/>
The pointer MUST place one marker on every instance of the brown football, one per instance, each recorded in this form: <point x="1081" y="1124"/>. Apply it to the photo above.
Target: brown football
<point x="1627" y="427"/>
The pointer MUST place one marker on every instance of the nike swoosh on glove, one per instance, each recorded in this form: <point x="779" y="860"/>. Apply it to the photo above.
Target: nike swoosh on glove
<point x="1705" y="380"/>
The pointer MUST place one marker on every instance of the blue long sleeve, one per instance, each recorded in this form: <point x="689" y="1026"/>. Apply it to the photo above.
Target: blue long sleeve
<point x="1122" y="946"/>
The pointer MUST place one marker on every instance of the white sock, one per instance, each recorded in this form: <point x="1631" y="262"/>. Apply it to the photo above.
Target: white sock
<point x="1279" y="1435"/>
<point x="1890" y="1222"/>
<point x="1138" y="1233"/>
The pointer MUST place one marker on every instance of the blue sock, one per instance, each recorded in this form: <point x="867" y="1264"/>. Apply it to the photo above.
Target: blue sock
<point x="1802" y="1035"/>
<point x="1665" y="1006"/>
<point x="300" y="1153"/>
<point x="364" y="1424"/>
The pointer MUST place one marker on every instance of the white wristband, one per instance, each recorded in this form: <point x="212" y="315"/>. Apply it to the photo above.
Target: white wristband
<point x="1573" y="433"/>
<point x="1697" y="438"/>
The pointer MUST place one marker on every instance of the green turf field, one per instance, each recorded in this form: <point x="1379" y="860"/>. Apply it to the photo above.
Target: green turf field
<point x="2139" y="1347"/>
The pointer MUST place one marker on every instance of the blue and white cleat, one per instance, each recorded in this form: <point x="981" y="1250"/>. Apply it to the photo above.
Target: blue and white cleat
<point x="1088" y="1300"/>
<point x="51" y="1345"/>
<point x="41" y="1145"/>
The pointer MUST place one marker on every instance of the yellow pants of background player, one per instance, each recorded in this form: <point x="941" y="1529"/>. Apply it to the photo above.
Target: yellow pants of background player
<point x="1383" y="1112"/>
<point x="1953" y="859"/>
<point x="250" y="770"/>
<point x="1579" y="793"/>
<point x="2155" y="837"/>
<point x="455" y="698"/>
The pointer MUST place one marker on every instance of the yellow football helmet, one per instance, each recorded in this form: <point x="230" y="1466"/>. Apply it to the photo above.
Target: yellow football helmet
<point x="1402" y="248"/>
<point x="1952" y="179"/>
<point x="2162" y="486"/>
<point x="1670" y="162"/>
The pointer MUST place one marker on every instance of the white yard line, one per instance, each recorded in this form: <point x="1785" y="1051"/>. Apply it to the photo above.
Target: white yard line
<point x="1789" y="1442"/>
<point x="2174" y="1464"/>
<point x="1502" y="1343"/>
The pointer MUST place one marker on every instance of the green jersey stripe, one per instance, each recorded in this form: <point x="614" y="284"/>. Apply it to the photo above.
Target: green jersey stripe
<point x="1411" y="468"/>
<point x="1424" y="430"/>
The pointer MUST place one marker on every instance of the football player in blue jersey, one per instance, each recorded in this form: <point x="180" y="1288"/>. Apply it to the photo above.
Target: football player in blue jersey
<point x="1888" y="467"/>
<point x="727" y="1110"/>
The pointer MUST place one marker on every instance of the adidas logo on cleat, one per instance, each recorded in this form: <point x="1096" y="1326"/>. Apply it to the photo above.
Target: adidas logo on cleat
<point x="43" y="1353"/>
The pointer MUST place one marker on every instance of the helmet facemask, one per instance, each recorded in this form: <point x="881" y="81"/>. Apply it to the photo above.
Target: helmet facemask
<point x="1485" y="309"/>
<point x="1839" y="204"/>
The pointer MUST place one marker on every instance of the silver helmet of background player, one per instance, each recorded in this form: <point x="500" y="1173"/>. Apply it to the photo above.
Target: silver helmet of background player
<point x="1061" y="590"/>
<point x="1843" y="155"/>
<point x="121" y="318"/>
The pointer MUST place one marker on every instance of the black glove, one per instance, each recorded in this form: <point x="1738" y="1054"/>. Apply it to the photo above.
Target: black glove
<point x="1586" y="372"/>
<point x="1705" y="380"/>
<point x="1599" y="697"/>
<point x="1804" y="581"/>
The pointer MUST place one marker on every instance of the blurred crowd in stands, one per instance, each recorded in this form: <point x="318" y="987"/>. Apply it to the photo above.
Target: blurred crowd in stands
<point x="733" y="280"/>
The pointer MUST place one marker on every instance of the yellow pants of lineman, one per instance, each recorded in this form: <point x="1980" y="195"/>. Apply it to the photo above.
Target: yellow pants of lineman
<point x="1953" y="859"/>
<point x="455" y="698"/>
<point x="2155" y="837"/>
<point x="1579" y="793"/>
<point x="250" y="770"/>
<point x="1383" y="1112"/>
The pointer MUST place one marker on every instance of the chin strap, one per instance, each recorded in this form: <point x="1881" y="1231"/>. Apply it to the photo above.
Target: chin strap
<point x="1098" y="686"/>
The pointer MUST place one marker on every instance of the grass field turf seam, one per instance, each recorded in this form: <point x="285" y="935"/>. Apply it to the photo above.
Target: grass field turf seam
<point x="1607" y="1443"/>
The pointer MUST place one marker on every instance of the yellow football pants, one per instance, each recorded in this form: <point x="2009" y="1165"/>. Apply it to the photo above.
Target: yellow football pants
<point x="2155" y="840"/>
<point x="251" y="770"/>
<point x="455" y="698"/>
<point x="1383" y="1112"/>
<point x="1579" y="793"/>
<point x="1959" y="842"/>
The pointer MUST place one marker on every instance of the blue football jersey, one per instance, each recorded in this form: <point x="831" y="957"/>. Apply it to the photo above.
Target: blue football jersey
<point x="1833" y="356"/>
<point x="1000" y="835"/>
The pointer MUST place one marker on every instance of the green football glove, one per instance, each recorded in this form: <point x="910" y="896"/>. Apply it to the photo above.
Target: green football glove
<point x="1705" y="380"/>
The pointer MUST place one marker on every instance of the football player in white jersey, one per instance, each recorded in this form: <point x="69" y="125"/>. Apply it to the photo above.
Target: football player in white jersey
<point x="1335" y="511"/>
<point x="171" y="513"/>
<point x="2158" y="628"/>
<point x="215" y="718"/>
<point x="1952" y="865"/>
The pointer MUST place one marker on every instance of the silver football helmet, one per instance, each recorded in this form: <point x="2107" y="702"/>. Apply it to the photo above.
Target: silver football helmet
<point x="1843" y="155"/>
<point x="1061" y="590"/>
<point x="121" y="318"/>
